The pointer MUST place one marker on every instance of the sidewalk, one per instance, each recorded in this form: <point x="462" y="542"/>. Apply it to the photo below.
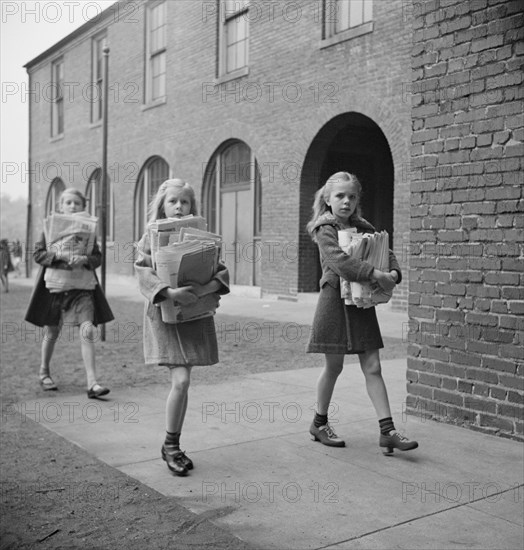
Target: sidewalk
<point x="259" y="476"/>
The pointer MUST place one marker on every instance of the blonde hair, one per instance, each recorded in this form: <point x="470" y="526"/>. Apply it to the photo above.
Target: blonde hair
<point x="156" y="206"/>
<point x="73" y="191"/>
<point x="320" y="205"/>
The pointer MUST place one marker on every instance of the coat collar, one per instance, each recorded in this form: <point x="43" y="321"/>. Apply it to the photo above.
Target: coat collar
<point x="328" y="219"/>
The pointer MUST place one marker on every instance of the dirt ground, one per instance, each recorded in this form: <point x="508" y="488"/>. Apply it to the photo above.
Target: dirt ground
<point x="54" y="494"/>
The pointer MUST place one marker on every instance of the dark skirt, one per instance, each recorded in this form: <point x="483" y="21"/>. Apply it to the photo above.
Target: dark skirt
<point x="341" y="329"/>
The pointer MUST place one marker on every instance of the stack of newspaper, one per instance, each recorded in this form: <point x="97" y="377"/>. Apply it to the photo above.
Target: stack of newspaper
<point x="166" y="230"/>
<point x="69" y="235"/>
<point x="184" y="252"/>
<point x="374" y="249"/>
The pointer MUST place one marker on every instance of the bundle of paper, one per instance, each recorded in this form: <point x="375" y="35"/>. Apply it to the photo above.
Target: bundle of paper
<point x="166" y="230"/>
<point x="374" y="249"/>
<point x="62" y="280"/>
<point x="70" y="234"/>
<point x="194" y="259"/>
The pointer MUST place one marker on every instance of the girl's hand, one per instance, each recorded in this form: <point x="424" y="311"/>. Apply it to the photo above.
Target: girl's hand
<point x="182" y="295"/>
<point x="202" y="290"/>
<point x="78" y="260"/>
<point x="197" y="289"/>
<point x="384" y="280"/>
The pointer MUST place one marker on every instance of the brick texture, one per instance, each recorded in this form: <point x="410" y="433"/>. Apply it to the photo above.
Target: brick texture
<point x="466" y="298"/>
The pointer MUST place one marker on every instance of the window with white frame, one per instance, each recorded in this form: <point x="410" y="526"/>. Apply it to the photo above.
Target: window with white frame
<point x="154" y="172"/>
<point x="156" y="52"/>
<point x="234" y="36"/>
<point x="94" y="201"/>
<point x="57" y="103"/>
<point x="56" y="188"/>
<point x="342" y="15"/>
<point x="97" y="77"/>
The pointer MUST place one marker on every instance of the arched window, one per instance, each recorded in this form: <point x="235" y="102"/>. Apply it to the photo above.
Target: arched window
<point x="94" y="199"/>
<point x="53" y="195"/>
<point x="153" y="173"/>
<point x="231" y="203"/>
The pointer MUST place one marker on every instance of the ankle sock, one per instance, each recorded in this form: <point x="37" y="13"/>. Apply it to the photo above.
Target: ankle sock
<point x="386" y="425"/>
<point x="320" y="420"/>
<point x="172" y="440"/>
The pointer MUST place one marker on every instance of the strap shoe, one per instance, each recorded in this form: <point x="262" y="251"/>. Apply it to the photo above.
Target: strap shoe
<point x="326" y="435"/>
<point x="396" y="441"/>
<point x="174" y="461"/>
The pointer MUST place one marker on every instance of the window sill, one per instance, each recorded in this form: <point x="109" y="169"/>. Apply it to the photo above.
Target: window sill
<point x="348" y="34"/>
<point x="96" y="124"/>
<point x="59" y="137"/>
<point x="153" y="104"/>
<point x="239" y="73"/>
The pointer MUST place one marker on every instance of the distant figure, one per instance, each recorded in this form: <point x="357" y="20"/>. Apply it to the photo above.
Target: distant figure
<point x="84" y="306"/>
<point x="16" y="253"/>
<point x="5" y="264"/>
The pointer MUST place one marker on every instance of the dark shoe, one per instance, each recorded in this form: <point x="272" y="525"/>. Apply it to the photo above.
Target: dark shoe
<point x="396" y="441"/>
<point x="47" y="383"/>
<point x="186" y="461"/>
<point x="97" y="391"/>
<point x="326" y="436"/>
<point x="174" y="461"/>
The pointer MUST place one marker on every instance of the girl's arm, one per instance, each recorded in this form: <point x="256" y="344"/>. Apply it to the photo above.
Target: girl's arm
<point x="47" y="258"/>
<point x="394" y="268"/>
<point x="151" y="286"/>
<point x="338" y="261"/>
<point x="91" y="261"/>
<point x="219" y="284"/>
<point x="149" y="283"/>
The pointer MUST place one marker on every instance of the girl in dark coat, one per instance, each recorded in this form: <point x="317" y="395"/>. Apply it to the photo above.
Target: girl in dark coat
<point x="77" y="307"/>
<point x="340" y="329"/>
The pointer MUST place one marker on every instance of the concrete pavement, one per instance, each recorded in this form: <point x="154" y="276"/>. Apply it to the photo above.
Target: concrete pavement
<point x="258" y="475"/>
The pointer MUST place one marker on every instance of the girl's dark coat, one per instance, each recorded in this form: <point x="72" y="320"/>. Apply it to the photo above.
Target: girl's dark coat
<point x="39" y="311"/>
<point x="338" y="328"/>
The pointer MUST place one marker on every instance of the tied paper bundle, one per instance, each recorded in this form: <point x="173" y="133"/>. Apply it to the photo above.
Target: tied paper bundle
<point x="191" y="255"/>
<point x="374" y="249"/>
<point x="69" y="235"/>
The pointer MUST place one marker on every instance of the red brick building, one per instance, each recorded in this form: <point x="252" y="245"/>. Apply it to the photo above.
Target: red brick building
<point x="255" y="103"/>
<point x="466" y="290"/>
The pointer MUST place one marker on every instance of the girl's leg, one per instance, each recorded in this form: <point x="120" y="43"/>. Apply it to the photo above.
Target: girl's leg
<point x="51" y="334"/>
<point x="176" y="407"/>
<point x="326" y="381"/>
<point x="370" y="365"/>
<point x="320" y="430"/>
<point x="389" y="437"/>
<point x="88" y="335"/>
<point x="177" y="399"/>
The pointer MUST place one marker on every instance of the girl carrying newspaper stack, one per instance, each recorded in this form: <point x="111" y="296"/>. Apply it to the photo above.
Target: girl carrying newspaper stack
<point x="177" y="346"/>
<point x="55" y="300"/>
<point x="340" y="329"/>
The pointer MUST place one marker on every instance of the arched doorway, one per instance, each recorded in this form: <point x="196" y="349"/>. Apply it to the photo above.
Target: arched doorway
<point x="350" y="142"/>
<point x="231" y="203"/>
<point x="154" y="172"/>
<point x="56" y="188"/>
<point x="94" y="200"/>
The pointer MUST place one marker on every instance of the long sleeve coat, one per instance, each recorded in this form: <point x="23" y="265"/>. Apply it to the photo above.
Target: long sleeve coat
<point x="338" y="328"/>
<point x="191" y="343"/>
<point x="41" y="311"/>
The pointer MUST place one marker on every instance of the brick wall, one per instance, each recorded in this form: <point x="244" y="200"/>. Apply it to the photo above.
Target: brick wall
<point x="198" y="117"/>
<point x="466" y="290"/>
